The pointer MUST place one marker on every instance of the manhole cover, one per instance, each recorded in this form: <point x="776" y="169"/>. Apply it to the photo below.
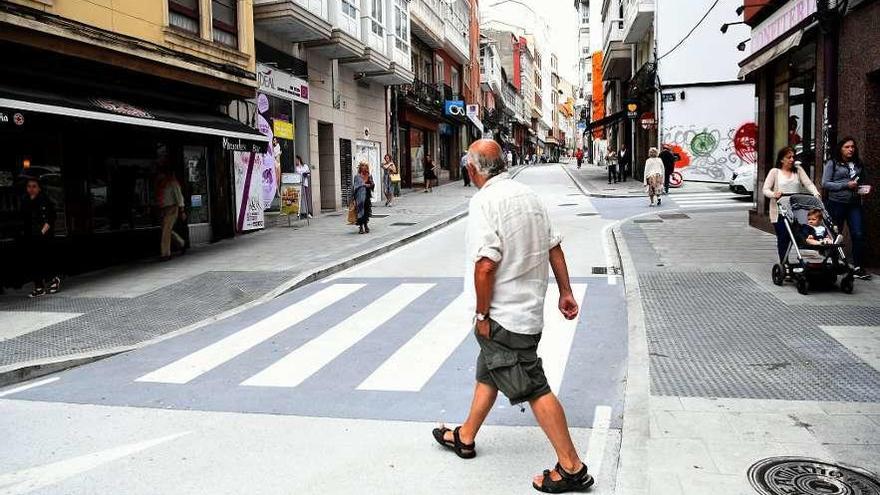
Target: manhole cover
<point x="568" y="204"/>
<point x="673" y="216"/>
<point x="402" y="224"/>
<point x="587" y="214"/>
<point x="802" y="476"/>
<point x="648" y="220"/>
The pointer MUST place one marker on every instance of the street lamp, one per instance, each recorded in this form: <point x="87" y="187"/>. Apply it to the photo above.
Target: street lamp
<point x="741" y="46"/>
<point x="742" y="8"/>
<point x="728" y="24"/>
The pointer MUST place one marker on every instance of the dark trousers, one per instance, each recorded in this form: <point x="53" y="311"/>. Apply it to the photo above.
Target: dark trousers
<point x="782" y="238"/>
<point x="612" y="174"/>
<point x="850" y="214"/>
<point x="666" y="181"/>
<point x="36" y="248"/>
<point x="465" y="176"/>
<point x="623" y="171"/>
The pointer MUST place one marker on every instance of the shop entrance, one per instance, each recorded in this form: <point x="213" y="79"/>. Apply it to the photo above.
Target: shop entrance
<point x="326" y="167"/>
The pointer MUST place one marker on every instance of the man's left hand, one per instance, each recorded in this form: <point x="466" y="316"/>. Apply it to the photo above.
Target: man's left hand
<point x="568" y="306"/>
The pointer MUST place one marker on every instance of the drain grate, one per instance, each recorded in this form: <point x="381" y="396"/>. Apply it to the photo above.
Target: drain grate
<point x="378" y="216"/>
<point x="648" y="220"/>
<point x="673" y="216"/>
<point x="606" y="270"/>
<point x="788" y="475"/>
<point x="333" y="215"/>
<point x="587" y="214"/>
<point x="402" y="224"/>
<point x="568" y="204"/>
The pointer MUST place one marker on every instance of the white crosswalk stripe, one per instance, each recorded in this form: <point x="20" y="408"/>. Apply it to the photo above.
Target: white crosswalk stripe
<point x="558" y="335"/>
<point x="208" y="358"/>
<point x="410" y="368"/>
<point x="296" y="367"/>
<point x="710" y="200"/>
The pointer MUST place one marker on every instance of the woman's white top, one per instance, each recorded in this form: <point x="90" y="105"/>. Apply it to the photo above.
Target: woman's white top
<point x="777" y="181"/>
<point x="304" y="169"/>
<point x="653" y="166"/>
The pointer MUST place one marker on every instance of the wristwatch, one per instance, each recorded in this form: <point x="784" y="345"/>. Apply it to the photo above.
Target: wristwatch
<point x="481" y="317"/>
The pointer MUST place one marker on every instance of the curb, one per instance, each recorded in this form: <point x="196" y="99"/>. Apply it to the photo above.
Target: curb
<point x="586" y="192"/>
<point x="29" y="370"/>
<point x="636" y="431"/>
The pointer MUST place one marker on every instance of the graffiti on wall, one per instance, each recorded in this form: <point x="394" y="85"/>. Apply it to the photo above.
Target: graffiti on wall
<point x="710" y="153"/>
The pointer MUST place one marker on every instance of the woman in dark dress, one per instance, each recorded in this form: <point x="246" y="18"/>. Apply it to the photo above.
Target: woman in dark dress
<point x="362" y="189"/>
<point x="430" y="174"/>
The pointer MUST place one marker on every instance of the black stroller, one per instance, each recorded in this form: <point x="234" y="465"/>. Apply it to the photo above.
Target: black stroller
<point x="815" y="265"/>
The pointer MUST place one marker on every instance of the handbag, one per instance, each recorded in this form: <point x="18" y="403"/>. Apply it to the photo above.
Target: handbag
<point x="352" y="213"/>
<point x="395" y="175"/>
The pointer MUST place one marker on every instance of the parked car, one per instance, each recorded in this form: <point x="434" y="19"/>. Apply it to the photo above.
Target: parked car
<point x="743" y="179"/>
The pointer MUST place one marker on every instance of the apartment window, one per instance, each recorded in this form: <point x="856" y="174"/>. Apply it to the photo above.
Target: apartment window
<point x="224" y="17"/>
<point x="585" y="14"/>
<point x="184" y="14"/>
<point x="349" y="9"/>
<point x="377" y="17"/>
<point x="401" y="25"/>
<point x="456" y="85"/>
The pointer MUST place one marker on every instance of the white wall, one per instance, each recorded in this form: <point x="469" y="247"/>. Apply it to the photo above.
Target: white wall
<point x="703" y="127"/>
<point x="707" y="55"/>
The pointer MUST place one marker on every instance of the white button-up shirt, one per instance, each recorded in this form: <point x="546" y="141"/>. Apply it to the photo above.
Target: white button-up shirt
<point x="508" y="224"/>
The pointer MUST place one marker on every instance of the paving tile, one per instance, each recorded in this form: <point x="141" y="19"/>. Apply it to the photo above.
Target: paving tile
<point x="709" y="426"/>
<point x="708" y="483"/>
<point x="768" y="427"/>
<point x="678" y="455"/>
<point x="661" y="403"/>
<point x="843" y="428"/>
<point x="737" y="457"/>
<point x="664" y="484"/>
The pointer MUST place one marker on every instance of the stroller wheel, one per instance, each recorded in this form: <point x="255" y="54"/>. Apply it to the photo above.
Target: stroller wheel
<point x="778" y="274"/>
<point x="803" y="285"/>
<point x="846" y="284"/>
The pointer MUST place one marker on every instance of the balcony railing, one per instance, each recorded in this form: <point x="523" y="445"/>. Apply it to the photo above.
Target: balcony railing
<point x="426" y="94"/>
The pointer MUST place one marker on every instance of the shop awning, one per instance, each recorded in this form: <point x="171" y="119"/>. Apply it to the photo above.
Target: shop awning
<point x="606" y="121"/>
<point x="763" y="57"/>
<point x="121" y="112"/>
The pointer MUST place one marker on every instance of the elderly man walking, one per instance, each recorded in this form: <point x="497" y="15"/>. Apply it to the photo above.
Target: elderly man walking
<point x="510" y="244"/>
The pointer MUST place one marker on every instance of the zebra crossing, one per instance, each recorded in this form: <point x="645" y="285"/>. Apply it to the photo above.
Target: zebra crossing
<point x="710" y="200"/>
<point x="365" y="348"/>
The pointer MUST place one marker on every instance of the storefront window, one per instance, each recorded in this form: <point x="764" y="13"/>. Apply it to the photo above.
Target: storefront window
<point x="417" y="154"/>
<point x="121" y="192"/>
<point x="794" y="106"/>
<point x="195" y="165"/>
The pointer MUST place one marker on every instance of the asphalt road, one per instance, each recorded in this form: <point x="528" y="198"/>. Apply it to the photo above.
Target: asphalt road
<point x="333" y="388"/>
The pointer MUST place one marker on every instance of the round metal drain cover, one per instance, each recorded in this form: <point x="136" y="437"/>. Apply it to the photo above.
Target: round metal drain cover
<point x="802" y="476"/>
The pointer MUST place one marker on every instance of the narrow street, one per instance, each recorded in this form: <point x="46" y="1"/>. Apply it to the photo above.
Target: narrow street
<point x="333" y="387"/>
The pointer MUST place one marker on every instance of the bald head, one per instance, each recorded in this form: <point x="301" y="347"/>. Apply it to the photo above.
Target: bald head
<point x="486" y="157"/>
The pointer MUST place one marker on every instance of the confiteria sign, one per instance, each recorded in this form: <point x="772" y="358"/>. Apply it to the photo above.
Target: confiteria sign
<point x="781" y="21"/>
<point x="282" y="84"/>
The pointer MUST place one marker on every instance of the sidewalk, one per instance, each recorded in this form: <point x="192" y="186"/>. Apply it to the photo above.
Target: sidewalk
<point x="119" y="308"/>
<point x="726" y="369"/>
<point x="593" y="181"/>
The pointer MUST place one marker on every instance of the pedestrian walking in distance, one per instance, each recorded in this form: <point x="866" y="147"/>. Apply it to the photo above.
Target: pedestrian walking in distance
<point x="430" y="174"/>
<point x="305" y="195"/>
<point x="170" y="200"/>
<point x="624" y="163"/>
<point x="38" y="221"/>
<point x="511" y="242"/>
<point x="611" y="161"/>
<point x="668" y="160"/>
<point x="362" y="189"/>
<point x="389" y="171"/>
<point x="846" y="181"/>
<point x="579" y="156"/>
<point x="654" y="176"/>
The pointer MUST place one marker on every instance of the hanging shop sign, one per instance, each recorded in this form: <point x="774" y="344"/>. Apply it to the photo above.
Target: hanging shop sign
<point x="648" y="121"/>
<point x="781" y="22"/>
<point x="455" y="108"/>
<point x="632" y="110"/>
<point x="282" y="129"/>
<point x="281" y="84"/>
<point x="248" y="168"/>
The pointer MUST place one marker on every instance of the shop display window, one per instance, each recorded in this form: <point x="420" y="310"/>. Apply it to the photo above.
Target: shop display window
<point x="794" y="106"/>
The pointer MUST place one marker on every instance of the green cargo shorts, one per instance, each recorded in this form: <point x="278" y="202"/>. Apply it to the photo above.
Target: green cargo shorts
<point x="509" y="362"/>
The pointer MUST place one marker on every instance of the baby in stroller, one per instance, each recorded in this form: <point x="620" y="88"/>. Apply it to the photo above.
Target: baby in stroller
<point x="820" y="256"/>
<point x="814" y="232"/>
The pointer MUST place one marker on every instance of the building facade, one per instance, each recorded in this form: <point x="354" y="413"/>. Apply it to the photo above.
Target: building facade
<point x="100" y="102"/>
<point x="816" y="72"/>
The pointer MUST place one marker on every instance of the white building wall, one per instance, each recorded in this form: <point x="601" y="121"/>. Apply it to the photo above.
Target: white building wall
<point x="710" y="129"/>
<point x="359" y="108"/>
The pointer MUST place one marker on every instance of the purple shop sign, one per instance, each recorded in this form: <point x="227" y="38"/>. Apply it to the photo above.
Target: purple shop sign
<point x="262" y="103"/>
<point x="264" y="128"/>
<point x="782" y="21"/>
<point x="270" y="180"/>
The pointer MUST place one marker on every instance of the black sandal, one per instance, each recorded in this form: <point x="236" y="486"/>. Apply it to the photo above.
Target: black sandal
<point x="463" y="450"/>
<point x="569" y="483"/>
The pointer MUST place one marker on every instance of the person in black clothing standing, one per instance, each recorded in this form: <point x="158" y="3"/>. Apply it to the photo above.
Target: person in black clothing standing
<point x="668" y="160"/>
<point x="624" y="162"/>
<point x="38" y="228"/>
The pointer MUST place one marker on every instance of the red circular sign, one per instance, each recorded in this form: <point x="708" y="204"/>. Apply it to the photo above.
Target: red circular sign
<point x="18" y="119"/>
